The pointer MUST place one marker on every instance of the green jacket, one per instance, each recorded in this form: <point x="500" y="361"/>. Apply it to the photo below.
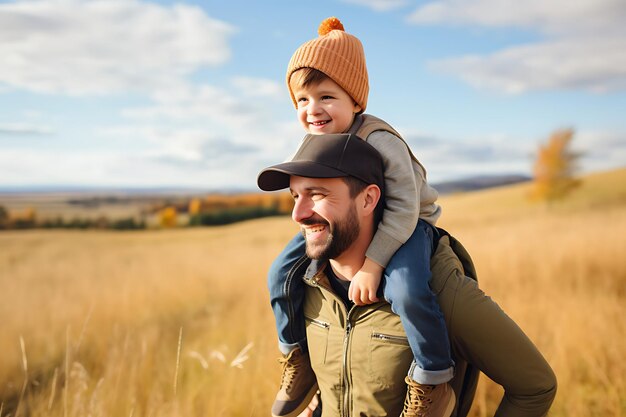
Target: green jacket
<point x="361" y="356"/>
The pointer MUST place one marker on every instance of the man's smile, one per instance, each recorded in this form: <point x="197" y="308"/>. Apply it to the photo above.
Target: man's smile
<point x="314" y="229"/>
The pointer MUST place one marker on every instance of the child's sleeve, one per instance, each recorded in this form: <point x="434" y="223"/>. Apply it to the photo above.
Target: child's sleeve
<point x="402" y="197"/>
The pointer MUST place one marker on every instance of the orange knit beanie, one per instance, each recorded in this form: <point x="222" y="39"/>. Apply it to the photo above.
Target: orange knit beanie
<point x="337" y="54"/>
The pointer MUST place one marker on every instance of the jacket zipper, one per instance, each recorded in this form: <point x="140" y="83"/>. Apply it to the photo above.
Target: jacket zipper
<point x="390" y="338"/>
<point x="346" y="379"/>
<point x="320" y="323"/>
<point x="346" y="343"/>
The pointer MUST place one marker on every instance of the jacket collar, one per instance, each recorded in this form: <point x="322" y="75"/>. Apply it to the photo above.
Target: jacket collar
<point x="315" y="273"/>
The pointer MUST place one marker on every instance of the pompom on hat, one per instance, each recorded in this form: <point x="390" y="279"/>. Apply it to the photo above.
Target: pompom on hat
<point x="337" y="54"/>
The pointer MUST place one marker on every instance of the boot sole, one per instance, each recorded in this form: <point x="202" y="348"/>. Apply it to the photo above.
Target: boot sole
<point x="451" y="405"/>
<point x="303" y="405"/>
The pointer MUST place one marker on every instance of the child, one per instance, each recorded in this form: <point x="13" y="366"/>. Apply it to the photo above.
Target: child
<point x="328" y="83"/>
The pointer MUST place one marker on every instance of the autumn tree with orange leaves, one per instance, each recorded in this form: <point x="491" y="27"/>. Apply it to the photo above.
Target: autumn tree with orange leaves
<point x="555" y="167"/>
<point x="168" y="217"/>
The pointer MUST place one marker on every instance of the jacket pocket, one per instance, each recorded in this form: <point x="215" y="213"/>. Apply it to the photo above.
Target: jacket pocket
<point x="317" y="337"/>
<point x="390" y="357"/>
<point x="390" y="338"/>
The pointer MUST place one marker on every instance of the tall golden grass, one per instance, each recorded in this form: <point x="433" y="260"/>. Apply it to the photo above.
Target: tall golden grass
<point x="177" y="322"/>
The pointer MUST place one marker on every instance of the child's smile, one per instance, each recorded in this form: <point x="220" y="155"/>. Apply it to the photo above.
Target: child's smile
<point x="325" y="108"/>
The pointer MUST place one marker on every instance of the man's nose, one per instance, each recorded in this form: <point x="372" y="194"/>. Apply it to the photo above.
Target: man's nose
<point x="302" y="209"/>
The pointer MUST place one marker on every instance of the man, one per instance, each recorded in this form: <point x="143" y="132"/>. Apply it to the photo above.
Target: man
<point x="359" y="354"/>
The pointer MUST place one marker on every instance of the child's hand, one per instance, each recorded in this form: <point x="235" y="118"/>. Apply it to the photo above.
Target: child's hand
<point x="364" y="284"/>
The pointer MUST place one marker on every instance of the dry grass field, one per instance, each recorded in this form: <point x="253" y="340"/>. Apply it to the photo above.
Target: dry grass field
<point x="177" y="323"/>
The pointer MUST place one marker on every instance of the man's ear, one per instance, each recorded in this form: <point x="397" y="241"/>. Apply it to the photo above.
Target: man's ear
<point x="371" y="195"/>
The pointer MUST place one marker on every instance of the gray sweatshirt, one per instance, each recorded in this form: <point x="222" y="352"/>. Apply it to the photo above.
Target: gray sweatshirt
<point x="408" y="195"/>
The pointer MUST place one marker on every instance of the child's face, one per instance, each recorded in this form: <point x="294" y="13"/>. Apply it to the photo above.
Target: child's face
<point x="325" y="108"/>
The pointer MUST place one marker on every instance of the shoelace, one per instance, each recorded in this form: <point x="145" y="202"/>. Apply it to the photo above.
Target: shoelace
<point x="290" y="370"/>
<point x="417" y="400"/>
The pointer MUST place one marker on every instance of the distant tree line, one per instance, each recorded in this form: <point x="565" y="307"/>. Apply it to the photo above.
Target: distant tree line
<point x="127" y="223"/>
<point x="233" y="215"/>
<point x="217" y="210"/>
<point x="213" y="210"/>
<point x="28" y="220"/>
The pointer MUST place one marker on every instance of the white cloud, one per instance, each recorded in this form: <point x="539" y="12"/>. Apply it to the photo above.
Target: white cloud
<point x="207" y="132"/>
<point x="600" y="150"/>
<point x="187" y="135"/>
<point x="453" y="158"/>
<point x="29" y="166"/>
<point x="556" y="16"/>
<point x="596" y="64"/>
<point x="583" y="49"/>
<point x="379" y="5"/>
<point x="117" y="168"/>
<point x="105" y="46"/>
<point x="23" y="129"/>
<point x="259" y="87"/>
<point x="497" y="154"/>
<point x="223" y="114"/>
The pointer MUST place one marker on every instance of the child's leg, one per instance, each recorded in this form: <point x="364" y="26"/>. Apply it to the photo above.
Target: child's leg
<point x="298" y="384"/>
<point x="405" y="287"/>
<point x="287" y="296"/>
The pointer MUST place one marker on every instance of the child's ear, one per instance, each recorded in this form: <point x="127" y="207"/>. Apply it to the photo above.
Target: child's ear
<point x="357" y="108"/>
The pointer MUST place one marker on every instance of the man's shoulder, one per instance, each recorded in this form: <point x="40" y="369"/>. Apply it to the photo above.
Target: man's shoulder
<point x="453" y="254"/>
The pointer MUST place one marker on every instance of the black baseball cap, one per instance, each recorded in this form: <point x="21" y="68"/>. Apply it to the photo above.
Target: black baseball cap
<point x="327" y="156"/>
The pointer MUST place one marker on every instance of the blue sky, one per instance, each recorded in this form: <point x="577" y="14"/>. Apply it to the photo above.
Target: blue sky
<point x="130" y="93"/>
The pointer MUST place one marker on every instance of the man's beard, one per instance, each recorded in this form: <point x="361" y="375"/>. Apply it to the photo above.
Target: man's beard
<point x="342" y="234"/>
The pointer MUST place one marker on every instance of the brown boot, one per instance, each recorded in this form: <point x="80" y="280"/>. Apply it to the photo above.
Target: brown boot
<point x="297" y="387"/>
<point x="428" y="400"/>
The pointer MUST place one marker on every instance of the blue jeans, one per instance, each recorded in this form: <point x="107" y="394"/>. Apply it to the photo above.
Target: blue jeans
<point x="405" y="285"/>
<point x="287" y="295"/>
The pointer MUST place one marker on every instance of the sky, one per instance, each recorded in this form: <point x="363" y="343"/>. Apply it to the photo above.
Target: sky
<point x="137" y="93"/>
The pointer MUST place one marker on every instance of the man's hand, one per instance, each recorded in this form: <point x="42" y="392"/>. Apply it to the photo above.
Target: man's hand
<point x="364" y="284"/>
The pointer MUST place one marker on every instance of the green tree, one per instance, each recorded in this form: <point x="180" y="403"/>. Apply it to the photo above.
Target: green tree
<point x="4" y="218"/>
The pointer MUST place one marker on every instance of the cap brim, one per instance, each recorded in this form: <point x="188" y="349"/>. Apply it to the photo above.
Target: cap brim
<point x="277" y="177"/>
